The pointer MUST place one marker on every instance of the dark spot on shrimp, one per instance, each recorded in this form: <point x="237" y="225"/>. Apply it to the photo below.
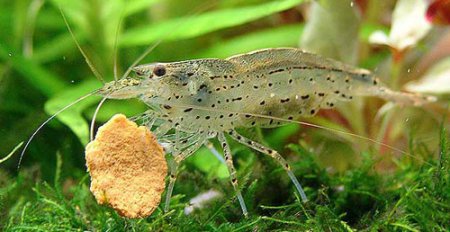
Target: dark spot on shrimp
<point x="285" y="100"/>
<point x="188" y="110"/>
<point x="276" y="71"/>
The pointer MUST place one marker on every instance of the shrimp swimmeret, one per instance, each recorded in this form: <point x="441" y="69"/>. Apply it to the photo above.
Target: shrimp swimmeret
<point x="206" y="98"/>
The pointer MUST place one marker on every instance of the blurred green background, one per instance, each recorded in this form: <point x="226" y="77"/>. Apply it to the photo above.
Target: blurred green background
<point x="353" y="183"/>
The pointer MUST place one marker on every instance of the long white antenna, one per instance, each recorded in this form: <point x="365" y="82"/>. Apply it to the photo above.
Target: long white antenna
<point x="48" y="120"/>
<point x="95" y="116"/>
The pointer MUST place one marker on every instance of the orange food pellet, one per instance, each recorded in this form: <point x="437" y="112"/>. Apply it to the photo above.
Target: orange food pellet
<point x="127" y="168"/>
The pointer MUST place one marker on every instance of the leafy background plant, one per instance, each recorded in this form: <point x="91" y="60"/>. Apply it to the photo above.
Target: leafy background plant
<point x="352" y="183"/>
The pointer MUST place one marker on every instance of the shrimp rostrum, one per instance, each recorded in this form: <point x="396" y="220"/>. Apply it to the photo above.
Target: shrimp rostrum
<point x="206" y="98"/>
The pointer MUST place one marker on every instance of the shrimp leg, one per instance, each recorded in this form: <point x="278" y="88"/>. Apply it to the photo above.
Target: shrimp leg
<point x="178" y="156"/>
<point x="232" y="171"/>
<point x="272" y="153"/>
<point x="214" y="151"/>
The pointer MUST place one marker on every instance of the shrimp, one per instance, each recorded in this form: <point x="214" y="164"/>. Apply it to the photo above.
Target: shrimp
<point x="207" y="98"/>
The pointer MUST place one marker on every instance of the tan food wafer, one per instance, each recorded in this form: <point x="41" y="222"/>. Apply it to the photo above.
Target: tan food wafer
<point x="127" y="167"/>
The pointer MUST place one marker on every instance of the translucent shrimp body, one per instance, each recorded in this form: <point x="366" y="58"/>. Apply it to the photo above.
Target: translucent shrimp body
<point x="206" y="98"/>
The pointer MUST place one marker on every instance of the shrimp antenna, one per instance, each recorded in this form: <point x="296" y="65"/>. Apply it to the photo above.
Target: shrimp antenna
<point x="94" y="71"/>
<point x="95" y="116"/>
<point x="116" y="41"/>
<point x="49" y="119"/>
<point x="86" y="58"/>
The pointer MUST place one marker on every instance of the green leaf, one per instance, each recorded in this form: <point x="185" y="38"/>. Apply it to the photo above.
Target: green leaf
<point x="332" y="30"/>
<point x="286" y="36"/>
<point x="72" y="116"/>
<point x="135" y="6"/>
<point x="55" y="48"/>
<point x="43" y="80"/>
<point x="205" y="161"/>
<point x="76" y="11"/>
<point x="110" y="108"/>
<point x="189" y="27"/>
<point x="277" y="137"/>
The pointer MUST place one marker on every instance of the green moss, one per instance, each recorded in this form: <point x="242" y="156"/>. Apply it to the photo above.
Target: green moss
<point x="416" y="197"/>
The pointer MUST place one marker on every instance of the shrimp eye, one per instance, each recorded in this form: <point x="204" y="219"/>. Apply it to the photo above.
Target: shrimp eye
<point x="159" y="71"/>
